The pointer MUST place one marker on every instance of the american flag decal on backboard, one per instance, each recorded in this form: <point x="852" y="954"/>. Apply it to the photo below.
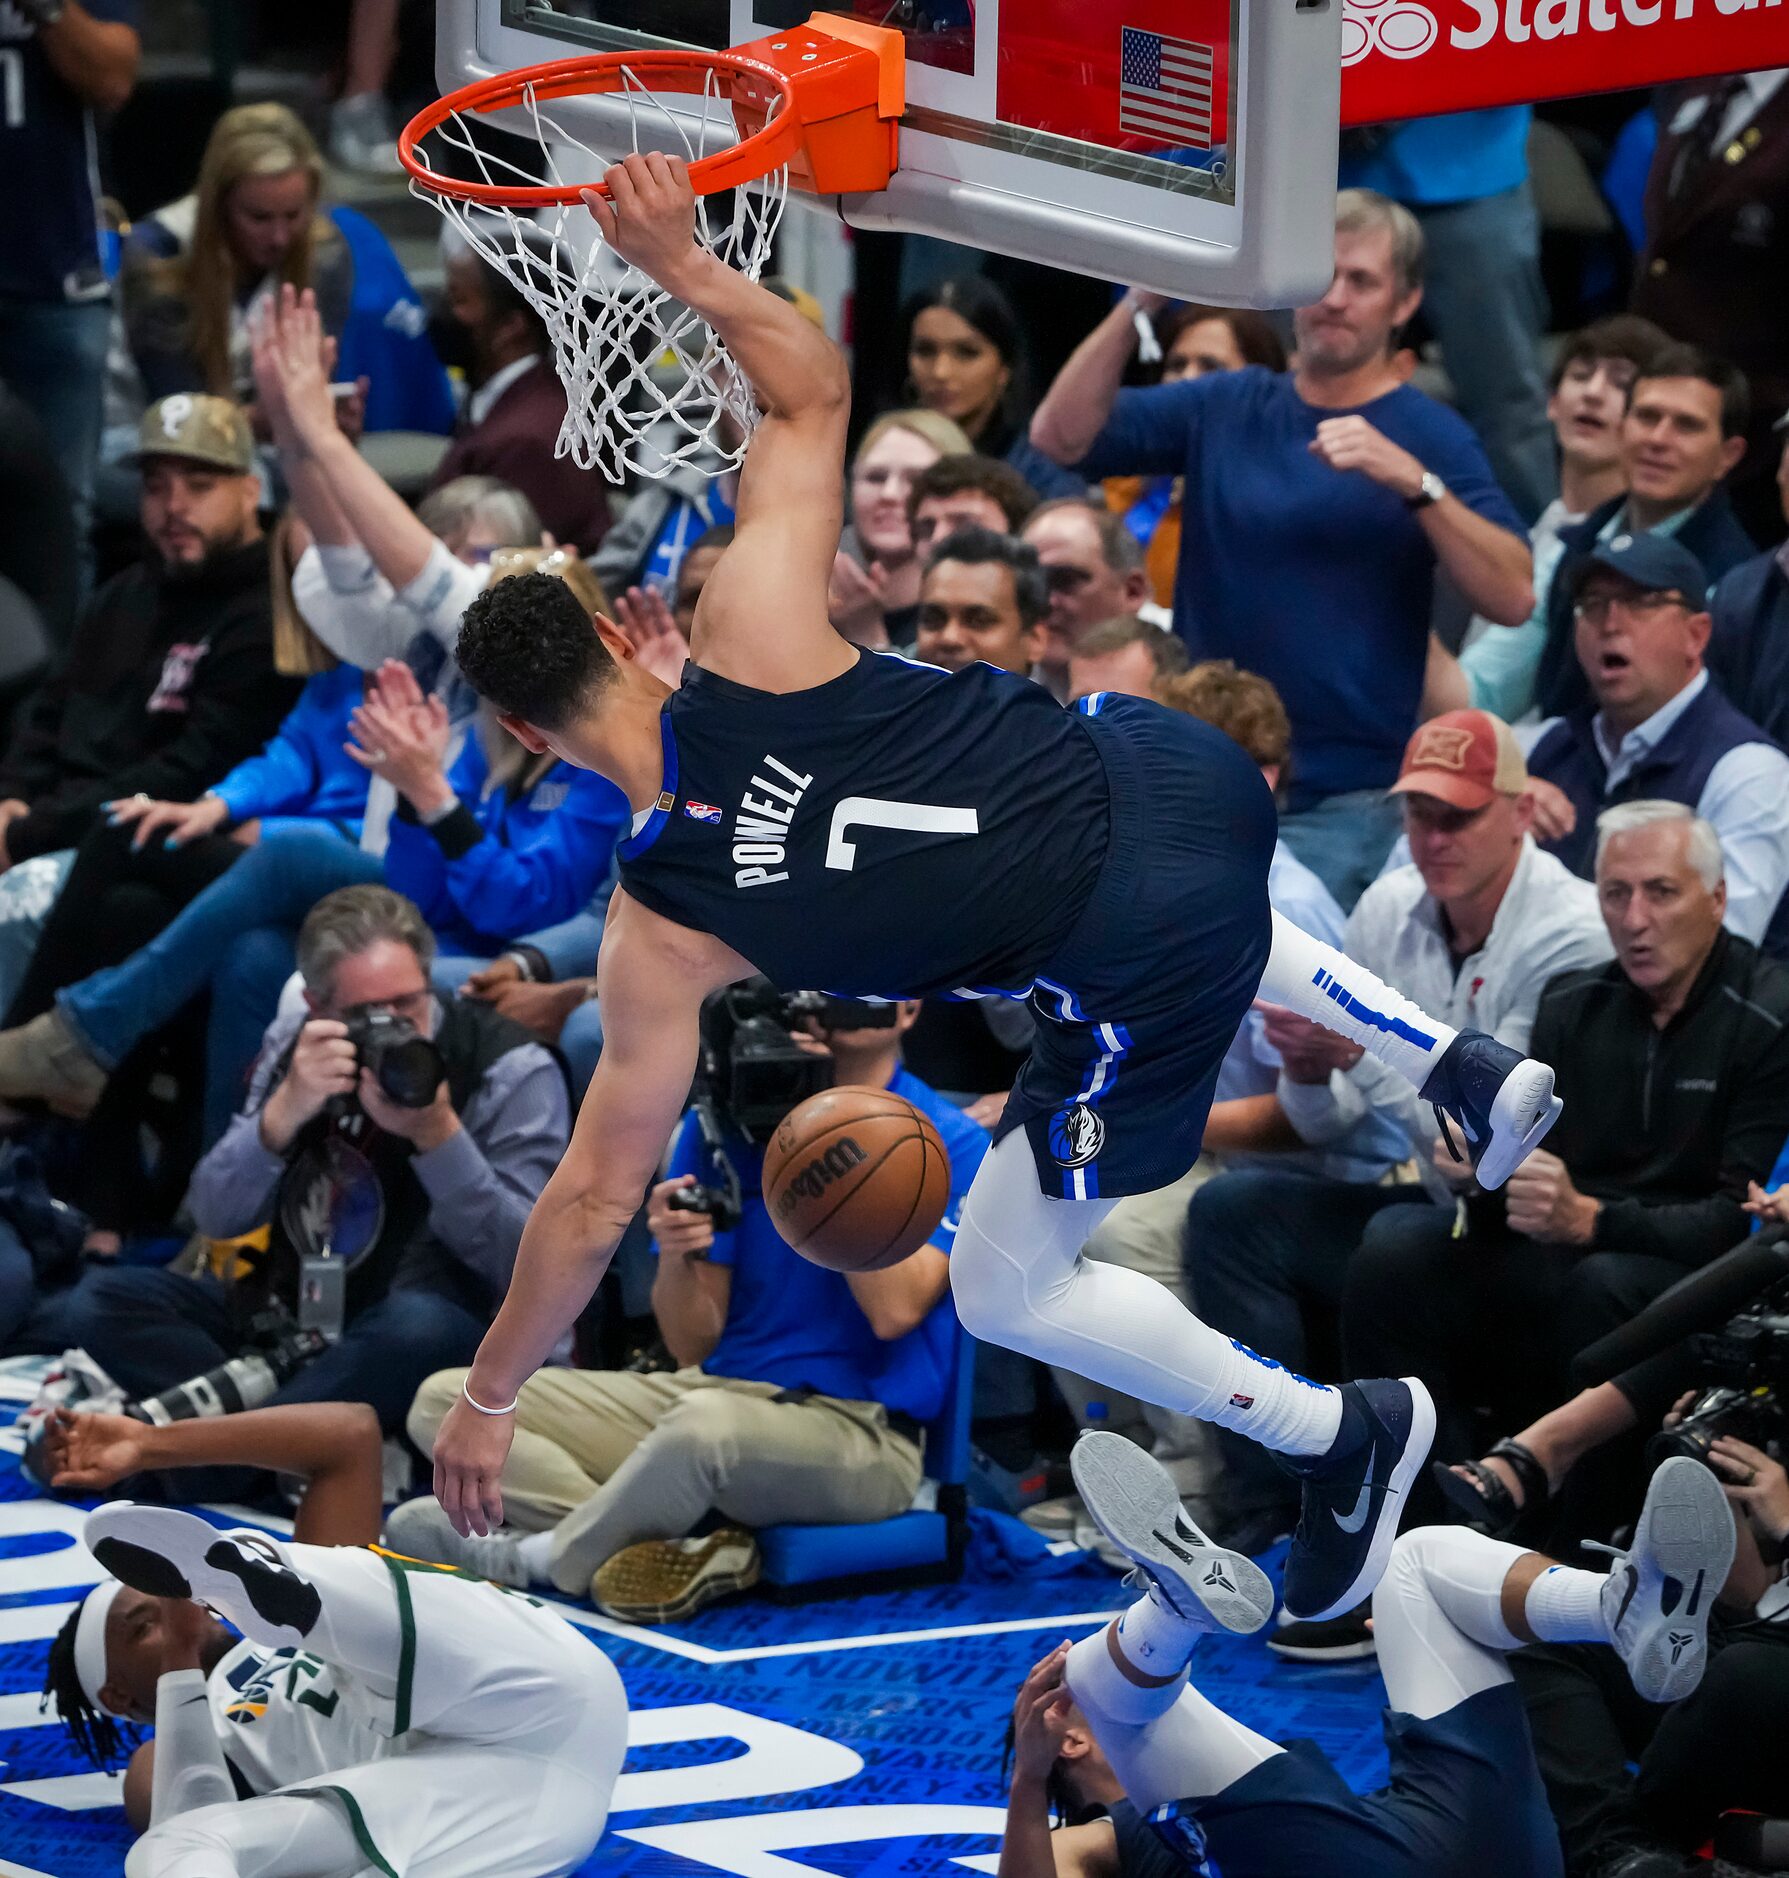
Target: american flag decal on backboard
<point x="1164" y="88"/>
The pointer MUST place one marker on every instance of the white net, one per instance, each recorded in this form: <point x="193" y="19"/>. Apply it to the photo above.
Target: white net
<point x="648" y="385"/>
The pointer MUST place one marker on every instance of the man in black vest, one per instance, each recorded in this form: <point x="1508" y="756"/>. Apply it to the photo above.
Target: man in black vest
<point x="1657" y="726"/>
<point x="424" y="1206"/>
<point x="1682" y="435"/>
<point x="1674" y="1063"/>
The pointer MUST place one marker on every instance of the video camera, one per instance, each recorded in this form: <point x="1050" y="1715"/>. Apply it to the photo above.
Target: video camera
<point x="1733" y="1315"/>
<point x="752" y="1072"/>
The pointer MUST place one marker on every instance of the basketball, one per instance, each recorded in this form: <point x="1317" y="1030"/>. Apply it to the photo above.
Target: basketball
<point x="856" y="1179"/>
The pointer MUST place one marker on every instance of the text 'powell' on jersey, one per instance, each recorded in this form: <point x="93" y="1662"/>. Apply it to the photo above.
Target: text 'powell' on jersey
<point x="897" y="831"/>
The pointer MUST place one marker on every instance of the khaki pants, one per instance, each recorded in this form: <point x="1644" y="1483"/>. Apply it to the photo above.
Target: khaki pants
<point x="605" y="1458"/>
<point x="1146" y="1233"/>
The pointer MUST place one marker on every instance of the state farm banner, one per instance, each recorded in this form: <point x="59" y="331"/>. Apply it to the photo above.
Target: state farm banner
<point x="1417" y="58"/>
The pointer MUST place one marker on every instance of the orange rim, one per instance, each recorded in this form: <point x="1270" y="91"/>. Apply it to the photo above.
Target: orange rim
<point x="605" y="75"/>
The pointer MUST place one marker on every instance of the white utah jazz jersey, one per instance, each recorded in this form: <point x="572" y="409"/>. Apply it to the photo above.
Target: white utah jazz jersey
<point x="282" y="1720"/>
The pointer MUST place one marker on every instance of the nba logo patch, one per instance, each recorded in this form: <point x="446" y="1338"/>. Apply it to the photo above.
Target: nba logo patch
<point x="701" y="811"/>
<point x="1076" y="1135"/>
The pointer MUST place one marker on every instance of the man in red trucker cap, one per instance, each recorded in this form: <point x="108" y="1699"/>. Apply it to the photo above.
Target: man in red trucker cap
<point x="1473" y="925"/>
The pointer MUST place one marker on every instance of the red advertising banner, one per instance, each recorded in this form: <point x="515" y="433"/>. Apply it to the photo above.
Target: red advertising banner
<point x="1417" y="58"/>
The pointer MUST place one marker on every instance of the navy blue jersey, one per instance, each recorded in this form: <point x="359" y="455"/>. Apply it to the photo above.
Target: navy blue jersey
<point x="899" y="831"/>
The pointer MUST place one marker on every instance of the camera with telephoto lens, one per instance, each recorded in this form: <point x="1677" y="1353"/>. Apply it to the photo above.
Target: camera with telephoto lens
<point x="405" y="1064"/>
<point x="1745" y="1365"/>
<point x="277" y="1349"/>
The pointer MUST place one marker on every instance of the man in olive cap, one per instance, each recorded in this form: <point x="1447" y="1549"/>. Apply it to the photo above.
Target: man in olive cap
<point x="169" y="680"/>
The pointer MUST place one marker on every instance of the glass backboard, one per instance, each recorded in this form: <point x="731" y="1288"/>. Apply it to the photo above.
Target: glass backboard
<point x="1183" y="145"/>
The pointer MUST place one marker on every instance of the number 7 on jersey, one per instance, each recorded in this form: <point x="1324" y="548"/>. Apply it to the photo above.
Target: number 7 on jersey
<point x="924" y="818"/>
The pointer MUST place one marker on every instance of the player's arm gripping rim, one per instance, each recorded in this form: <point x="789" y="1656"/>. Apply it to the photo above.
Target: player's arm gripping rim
<point x="762" y="618"/>
<point x="651" y="978"/>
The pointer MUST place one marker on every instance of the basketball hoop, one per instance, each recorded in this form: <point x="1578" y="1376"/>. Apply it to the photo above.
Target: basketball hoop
<point x="648" y="384"/>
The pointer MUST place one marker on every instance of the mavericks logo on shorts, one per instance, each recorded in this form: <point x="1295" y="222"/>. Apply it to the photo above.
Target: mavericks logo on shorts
<point x="1076" y="1135"/>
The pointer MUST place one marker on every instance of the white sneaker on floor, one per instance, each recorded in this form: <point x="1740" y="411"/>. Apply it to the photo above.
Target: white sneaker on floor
<point x="420" y="1529"/>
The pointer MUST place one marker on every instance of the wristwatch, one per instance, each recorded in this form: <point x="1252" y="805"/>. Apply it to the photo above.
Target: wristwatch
<point x="1428" y="492"/>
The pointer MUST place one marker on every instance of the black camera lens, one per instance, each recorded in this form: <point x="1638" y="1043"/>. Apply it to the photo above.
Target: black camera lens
<point x="405" y="1064"/>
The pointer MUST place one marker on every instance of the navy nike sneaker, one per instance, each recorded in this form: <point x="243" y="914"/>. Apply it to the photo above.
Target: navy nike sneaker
<point x="1660" y="1591"/>
<point x="1503" y="1101"/>
<point x="1353" y="1495"/>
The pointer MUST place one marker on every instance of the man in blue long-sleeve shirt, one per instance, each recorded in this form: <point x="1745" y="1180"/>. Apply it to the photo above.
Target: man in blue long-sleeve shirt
<point x="426" y="1205"/>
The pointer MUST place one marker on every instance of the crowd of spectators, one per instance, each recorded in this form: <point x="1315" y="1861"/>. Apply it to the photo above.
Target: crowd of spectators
<point x="249" y="813"/>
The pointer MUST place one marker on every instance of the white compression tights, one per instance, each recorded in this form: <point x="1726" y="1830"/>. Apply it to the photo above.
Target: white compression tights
<point x="1438" y="1618"/>
<point x="1020" y="1280"/>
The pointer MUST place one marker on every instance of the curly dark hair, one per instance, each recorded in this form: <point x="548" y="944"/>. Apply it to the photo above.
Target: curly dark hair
<point x="527" y="644"/>
<point x="103" y="1740"/>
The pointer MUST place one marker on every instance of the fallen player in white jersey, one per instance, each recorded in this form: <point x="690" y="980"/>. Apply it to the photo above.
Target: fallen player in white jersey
<point x="377" y="1715"/>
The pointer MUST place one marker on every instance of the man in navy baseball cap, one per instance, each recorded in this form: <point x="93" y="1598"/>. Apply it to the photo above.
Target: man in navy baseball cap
<point x="1642" y="564"/>
<point x="1661" y="729"/>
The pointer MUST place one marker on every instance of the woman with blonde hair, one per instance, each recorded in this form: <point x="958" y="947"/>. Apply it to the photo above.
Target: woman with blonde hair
<point x="195" y="269"/>
<point x="874" y="594"/>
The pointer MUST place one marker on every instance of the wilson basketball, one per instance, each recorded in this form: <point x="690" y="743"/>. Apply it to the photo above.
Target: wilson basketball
<point x="856" y="1179"/>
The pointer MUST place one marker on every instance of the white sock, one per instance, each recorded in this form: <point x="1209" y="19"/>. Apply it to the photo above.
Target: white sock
<point x="534" y="1552"/>
<point x="1565" y="1605"/>
<point x="1151" y="1638"/>
<point x="1273" y="1405"/>
<point x="1104" y="1690"/>
<point x="1320" y="983"/>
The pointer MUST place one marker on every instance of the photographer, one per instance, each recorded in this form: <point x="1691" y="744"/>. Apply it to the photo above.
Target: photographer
<point x="799" y="1392"/>
<point x="395" y="1144"/>
<point x="1728" y="1328"/>
<point x="1635" y="1789"/>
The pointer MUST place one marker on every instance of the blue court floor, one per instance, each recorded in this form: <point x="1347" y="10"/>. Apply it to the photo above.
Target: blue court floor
<point x="859" y="1737"/>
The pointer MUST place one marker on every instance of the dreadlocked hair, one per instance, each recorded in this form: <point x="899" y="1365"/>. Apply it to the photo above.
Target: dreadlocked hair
<point x="105" y="1741"/>
<point x="1059" y="1795"/>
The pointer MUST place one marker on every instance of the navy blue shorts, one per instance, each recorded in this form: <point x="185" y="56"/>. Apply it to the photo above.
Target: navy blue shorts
<point x="1146" y="994"/>
<point x="1465" y="1801"/>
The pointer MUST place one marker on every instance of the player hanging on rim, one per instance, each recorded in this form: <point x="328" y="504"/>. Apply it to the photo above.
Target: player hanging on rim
<point x="874" y="827"/>
<point x="375" y="1714"/>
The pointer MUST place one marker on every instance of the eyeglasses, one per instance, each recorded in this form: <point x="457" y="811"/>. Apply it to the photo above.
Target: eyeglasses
<point x="412" y="1005"/>
<point x="1594" y="608"/>
<point x="1066" y="580"/>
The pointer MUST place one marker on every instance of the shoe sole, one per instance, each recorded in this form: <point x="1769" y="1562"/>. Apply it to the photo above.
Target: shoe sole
<point x="1349" y="1653"/>
<point x="702" y="1591"/>
<point x="1391" y="1504"/>
<point x="170" y="1554"/>
<point x="1686" y="1532"/>
<point x="1522" y="1112"/>
<point x="1132" y="1500"/>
